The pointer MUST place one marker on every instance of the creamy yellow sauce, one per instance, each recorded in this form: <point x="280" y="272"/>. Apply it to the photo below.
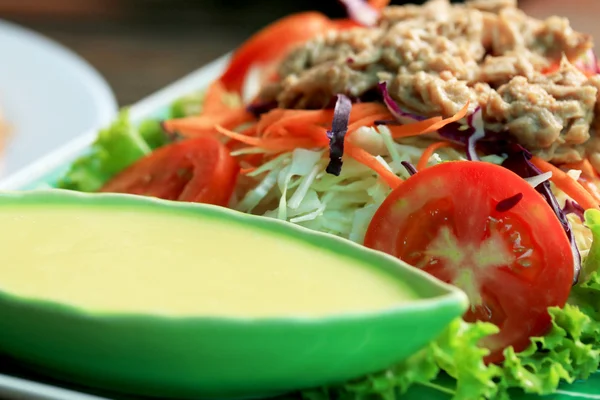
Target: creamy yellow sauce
<point x="142" y="261"/>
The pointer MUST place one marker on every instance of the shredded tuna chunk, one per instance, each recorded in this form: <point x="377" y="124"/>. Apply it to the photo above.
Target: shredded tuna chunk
<point x="432" y="95"/>
<point x="438" y="56"/>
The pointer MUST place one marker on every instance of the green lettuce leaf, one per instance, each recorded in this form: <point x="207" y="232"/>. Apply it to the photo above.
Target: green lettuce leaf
<point x="187" y="105"/>
<point x="121" y="144"/>
<point x="452" y="366"/>
<point x="592" y="261"/>
<point x="115" y="148"/>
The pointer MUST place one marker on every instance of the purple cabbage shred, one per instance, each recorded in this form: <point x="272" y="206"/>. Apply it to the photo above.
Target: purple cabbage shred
<point x="386" y="122"/>
<point x="259" y="108"/>
<point x="337" y="134"/>
<point x="518" y="161"/>
<point x="400" y="115"/>
<point x="409" y="167"/>
<point x="475" y="122"/>
<point x="572" y="207"/>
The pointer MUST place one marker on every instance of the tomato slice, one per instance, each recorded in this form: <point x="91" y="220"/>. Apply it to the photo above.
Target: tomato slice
<point x="512" y="263"/>
<point x="199" y="170"/>
<point x="272" y="43"/>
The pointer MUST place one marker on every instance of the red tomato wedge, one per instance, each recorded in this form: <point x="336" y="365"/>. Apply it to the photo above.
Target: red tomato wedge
<point x="513" y="263"/>
<point x="272" y="43"/>
<point x="199" y="170"/>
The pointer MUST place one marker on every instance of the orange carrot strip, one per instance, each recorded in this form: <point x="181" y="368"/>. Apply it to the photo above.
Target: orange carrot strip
<point x="589" y="177"/>
<point x="250" y="131"/>
<point x="567" y="184"/>
<point x="203" y="124"/>
<point x="413" y="129"/>
<point x="245" y="171"/>
<point x="279" y="132"/>
<point x="555" y="67"/>
<point x="426" y="126"/>
<point x="362" y="110"/>
<point x="422" y="164"/>
<point x="269" y="118"/>
<point x="368" y="121"/>
<point x="213" y="100"/>
<point x="591" y="187"/>
<point x="379" y="4"/>
<point x="584" y="166"/>
<point x="317" y="117"/>
<point x="365" y="158"/>
<point x="551" y="69"/>
<point x="317" y="133"/>
<point x="302" y="116"/>
<point x="267" y="144"/>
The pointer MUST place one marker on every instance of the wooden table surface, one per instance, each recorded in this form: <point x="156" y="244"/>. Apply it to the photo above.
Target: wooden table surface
<point x="140" y="46"/>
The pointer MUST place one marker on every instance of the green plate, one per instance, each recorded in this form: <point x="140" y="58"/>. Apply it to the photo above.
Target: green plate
<point x="219" y="357"/>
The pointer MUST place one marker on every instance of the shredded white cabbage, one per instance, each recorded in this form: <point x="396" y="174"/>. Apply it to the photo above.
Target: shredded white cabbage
<point x="342" y="205"/>
<point x="538" y="179"/>
<point x="252" y="83"/>
<point x="295" y="187"/>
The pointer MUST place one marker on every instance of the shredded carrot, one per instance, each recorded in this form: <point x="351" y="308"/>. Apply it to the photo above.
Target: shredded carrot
<point x="316" y="133"/>
<point x="246" y="171"/>
<point x="368" y="121"/>
<point x="279" y="144"/>
<point x="365" y="158"/>
<point x="213" y="99"/>
<point x="302" y="116"/>
<point x="567" y="184"/>
<point x="586" y="168"/>
<point x="285" y="130"/>
<point x="205" y="124"/>
<point x="555" y="67"/>
<point x="422" y="164"/>
<point x="414" y="129"/>
<point x="369" y="112"/>
<point x="269" y="118"/>
<point x="591" y="187"/>
<point x="551" y="69"/>
<point x="379" y="4"/>
<point x="362" y="110"/>
<point x="589" y="178"/>
<point x="426" y="126"/>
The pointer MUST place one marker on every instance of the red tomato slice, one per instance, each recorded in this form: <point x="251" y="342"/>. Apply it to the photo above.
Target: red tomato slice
<point x="272" y="43"/>
<point x="199" y="170"/>
<point x="512" y="264"/>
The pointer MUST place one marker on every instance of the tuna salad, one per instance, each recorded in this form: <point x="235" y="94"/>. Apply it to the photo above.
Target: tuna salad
<point x="526" y="74"/>
<point x="461" y="139"/>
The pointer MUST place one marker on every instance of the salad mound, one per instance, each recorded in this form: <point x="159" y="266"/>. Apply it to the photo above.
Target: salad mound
<point x="476" y="189"/>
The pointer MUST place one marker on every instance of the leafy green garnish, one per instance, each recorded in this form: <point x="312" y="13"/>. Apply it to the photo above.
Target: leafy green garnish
<point x="187" y="105"/>
<point x="568" y="352"/>
<point x="115" y="148"/>
<point x="592" y="262"/>
<point x="121" y="144"/>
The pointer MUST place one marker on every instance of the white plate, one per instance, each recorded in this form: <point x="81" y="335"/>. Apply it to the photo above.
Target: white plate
<point x="57" y="159"/>
<point x="47" y="94"/>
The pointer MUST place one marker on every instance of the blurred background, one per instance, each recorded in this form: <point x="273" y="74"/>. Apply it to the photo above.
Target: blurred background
<point x="142" y="45"/>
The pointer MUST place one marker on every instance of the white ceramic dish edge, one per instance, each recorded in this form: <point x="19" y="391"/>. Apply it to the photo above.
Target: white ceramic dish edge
<point x="17" y="389"/>
<point x="92" y="83"/>
<point x="70" y="150"/>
